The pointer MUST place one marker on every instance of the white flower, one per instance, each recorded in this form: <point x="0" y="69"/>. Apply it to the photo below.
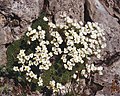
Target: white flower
<point x="31" y="55"/>
<point x="93" y="68"/>
<point x="45" y="19"/>
<point x="22" y="52"/>
<point x="65" y="50"/>
<point x="83" y="72"/>
<point x="100" y="73"/>
<point x="35" y="76"/>
<point x="40" y="82"/>
<point x="70" y="68"/>
<point x="81" y="61"/>
<point x="59" y="50"/>
<point x="31" y="74"/>
<point x="47" y="42"/>
<point x="27" y="58"/>
<point x="98" y="56"/>
<point x="41" y="67"/>
<point x="22" y="68"/>
<point x="86" y="75"/>
<point x="56" y="44"/>
<point x="56" y="53"/>
<point x="51" y="25"/>
<point x="93" y="36"/>
<point x="50" y="54"/>
<point x="103" y="45"/>
<point x="39" y="28"/>
<point x="52" y="83"/>
<point x="21" y="60"/>
<point x="64" y="60"/>
<point x="29" y="42"/>
<point x="46" y="67"/>
<point x="100" y="68"/>
<point x="81" y="23"/>
<point x="69" y="20"/>
<point x="89" y="50"/>
<point x="59" y="86"/>
<point x="33" y="38"/>
<point x="77" y="40"/>
<point x="65" y="66"/>
<point x="38" y="49"/>
<point x="28" y="34"/>
<point x="36" y="63"/>
<point x="29" y="79"/>
<point x="61" y="26"/>
<point x="29" y="28"/>
<point x="74" y="76"/>
<point x="66" y="34"/>
<point x="27" y="68"/>
<point x="15" y="68"/>
<point x="33" y="31"/>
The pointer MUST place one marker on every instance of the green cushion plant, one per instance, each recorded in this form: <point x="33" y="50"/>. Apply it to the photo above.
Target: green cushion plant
<point x="51" y="55"/>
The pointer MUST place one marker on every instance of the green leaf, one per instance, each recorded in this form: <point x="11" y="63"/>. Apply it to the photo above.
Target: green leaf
<point x="12" y="52"/>
<point x="40" y="22"/>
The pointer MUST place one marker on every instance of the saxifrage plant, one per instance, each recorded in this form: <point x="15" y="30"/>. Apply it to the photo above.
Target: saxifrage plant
<point x="52" y="56"/>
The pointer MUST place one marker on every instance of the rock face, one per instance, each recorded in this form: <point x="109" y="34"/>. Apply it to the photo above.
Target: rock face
<point x="16" y="15"/>
<point x="110" y="80"/>
<point x="99" y="14"/>
<point x="109" y="17"/>
<point x="73" y="8"/>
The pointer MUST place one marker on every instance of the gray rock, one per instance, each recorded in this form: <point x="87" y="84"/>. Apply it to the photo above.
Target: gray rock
<point x="26" y="9"/>
<point x="5" y="35"/>
<point x="110" y="80"/>
<point x="113" y="7"/>
<point x="110" y="56"/>
<point x="73" y="8"/>
<point x="2" y="55"/>
<point x="15" y="17"/>
<point x="3" y="20"/>
<point x="98" y="13"/>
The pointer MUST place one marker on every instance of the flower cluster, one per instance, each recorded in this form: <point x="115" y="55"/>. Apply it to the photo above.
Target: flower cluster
<point x="71" y="42"/>
<point x="91" y="68"/>
<point x="40" y="58"/>
<point x="56" y="87"/>
<point x="80" y="41"/>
